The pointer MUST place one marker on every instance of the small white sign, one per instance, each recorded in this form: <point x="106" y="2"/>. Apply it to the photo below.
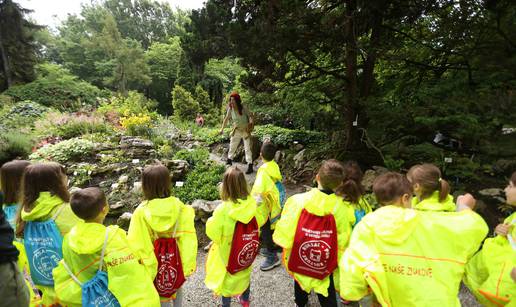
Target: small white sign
<point x="136" y="161"/>
<point x="179" y="183"/>
<point x="448" y="160"/>
<point x="355" y="122"/>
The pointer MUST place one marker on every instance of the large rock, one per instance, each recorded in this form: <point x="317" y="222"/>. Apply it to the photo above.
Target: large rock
<point x="299" y="159"/>
<point x="494" y="194"/>
<point x="124" y="220"/>
<point x="204" y="208"/>
<point x="370" y="175"/>
<point x="136" y="147"/>
<point x="178" y="169"/>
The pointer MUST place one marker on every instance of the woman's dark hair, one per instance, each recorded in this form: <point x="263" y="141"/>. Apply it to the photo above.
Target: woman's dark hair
<point x="10" y="180"/>
<point x="156" y="182"/>
<point x="234" y="185"/>
<point x="238" y="101"/>
<point x="37" y="178"/>
<point x="428" y="176"/>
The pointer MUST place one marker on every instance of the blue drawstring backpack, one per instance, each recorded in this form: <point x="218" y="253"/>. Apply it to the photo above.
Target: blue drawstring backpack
<point x="43" y="242"/>
<point x="282" y="193"/>
<point x="95" y="292"/>
<point x="10" y="214"/>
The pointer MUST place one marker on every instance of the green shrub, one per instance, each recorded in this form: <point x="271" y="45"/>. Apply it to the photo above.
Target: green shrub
<point x="69" y="150"/>
<point x="13" y="145"/>
<point x="21" y="114"/>
<point x="194" y="157"/>
<point x="283" y="136"/>
<point x="133" y="104"/>
<point x="185" y="107"/>
<point x="201" y="183"/>
<point x="68" y="126"/>
<point x="56" y="87"/>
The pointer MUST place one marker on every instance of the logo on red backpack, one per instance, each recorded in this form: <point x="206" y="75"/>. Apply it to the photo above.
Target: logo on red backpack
<point x="315" y="254"/>
<point x="248" y="253"/>
<point x="167" y="274"/>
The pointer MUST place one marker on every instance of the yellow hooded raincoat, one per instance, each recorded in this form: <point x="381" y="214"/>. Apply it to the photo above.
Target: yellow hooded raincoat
<point x="81" y="252"/>
<point x="45" y="207"/>
<point x="488" y="274"/>
<point x="265" y="186"/>
<point x="156" y="219"/>
<point x="410" y="257"/>
<point x="220" y="228"/>
<point x="432" y="203"/>
<point x="318" y="203"/>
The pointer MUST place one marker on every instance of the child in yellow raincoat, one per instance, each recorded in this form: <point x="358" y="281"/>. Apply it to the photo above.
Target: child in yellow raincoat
<point x="409" y="257"/>
<point x="237" y="206"/>
<point x="265" y="190"/>
<point x="432" y="192"/>
<point x="158" y="217"/>
<point x="10" y="183"/>
<point x="321" y="201"/>
<point x="488" y="274"/>
<point x="82" y="249"/>
<point x="45" y="196"/>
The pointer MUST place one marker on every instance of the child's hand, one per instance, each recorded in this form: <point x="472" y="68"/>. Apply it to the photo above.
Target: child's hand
<point x="513" y="274"/>
<point x="502" y="229"/>
<point x="466" y="201"/>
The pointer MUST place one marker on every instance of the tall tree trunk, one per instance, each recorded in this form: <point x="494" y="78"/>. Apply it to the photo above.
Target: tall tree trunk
<point x="5" y="63"/>
<point x="351" y="109"/>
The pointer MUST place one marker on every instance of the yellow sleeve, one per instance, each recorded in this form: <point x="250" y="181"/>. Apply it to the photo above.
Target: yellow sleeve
<point x="187" y="240"/>
<point x="353" y="284"/>
<point x="127" y="273"/>
<point x="215" y="224"/>
<point x="476" y="273"/>
<point x="141" y="243"/>
<point x="287" y="224"/>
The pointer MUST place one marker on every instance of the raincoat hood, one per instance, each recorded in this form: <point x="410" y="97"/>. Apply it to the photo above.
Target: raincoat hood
<point x="432" y="203"/>
<point x="392" y="224"/>
<point x="272" y="169"/>
<point x="43" y="207"/>
<point x="320" y="203"/>
<point x="242" y="211"/>
<point x="87" y="238"/>
<point x="161" y="213"/>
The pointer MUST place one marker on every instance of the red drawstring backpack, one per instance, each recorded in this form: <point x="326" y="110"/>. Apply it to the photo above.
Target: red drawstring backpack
<point x="314" y="252"/>
<point x="170" y="276"/>
<point x="244" y="246"/>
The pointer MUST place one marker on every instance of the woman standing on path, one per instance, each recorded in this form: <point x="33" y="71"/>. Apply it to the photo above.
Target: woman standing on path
<point x="242" y="127"/>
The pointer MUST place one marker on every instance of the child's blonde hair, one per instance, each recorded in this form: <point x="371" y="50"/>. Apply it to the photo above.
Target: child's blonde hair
<point x="234" y="185"/>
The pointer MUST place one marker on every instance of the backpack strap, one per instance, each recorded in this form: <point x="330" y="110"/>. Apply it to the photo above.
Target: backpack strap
<point x="67" y="268"/>
<point x="58" y="211"/>
<point x="101" y="261"/>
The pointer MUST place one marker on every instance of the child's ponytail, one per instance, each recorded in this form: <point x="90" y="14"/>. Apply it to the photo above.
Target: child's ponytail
<point x="351" y="188"/>
<point x="444" y="189"/>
